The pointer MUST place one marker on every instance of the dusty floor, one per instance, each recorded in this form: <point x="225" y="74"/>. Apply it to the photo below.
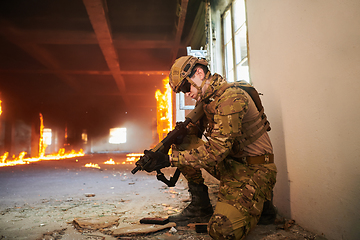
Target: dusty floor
<point x="41" y="201"/>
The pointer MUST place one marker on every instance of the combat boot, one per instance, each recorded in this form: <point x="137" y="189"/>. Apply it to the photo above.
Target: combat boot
<point x="268" y="214"/>
<point x="199" y="210"/>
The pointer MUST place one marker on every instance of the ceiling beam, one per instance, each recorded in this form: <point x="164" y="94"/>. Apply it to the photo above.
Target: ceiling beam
<point x="81" y="72"/>
<point x="49" y="36"/>
<point x="99" y="20"/>
<point x="179" y="28"/>
<point x="39" y="53"/>
<point x="63" y="37"/>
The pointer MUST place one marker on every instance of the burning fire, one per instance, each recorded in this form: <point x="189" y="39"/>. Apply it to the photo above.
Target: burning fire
<point x="21" y="160"/>
<point x="133" y="157"/>
<point x="164" y="110"/>
<point x="42" y="146"/>
<point x="110" y="161"/>
<point x="130" y="159"/>
<point x="92" y="165"/>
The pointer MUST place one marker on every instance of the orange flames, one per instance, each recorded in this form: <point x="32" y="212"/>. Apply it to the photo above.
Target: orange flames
<point x="133" y="157"/>
<point x="21" y="160"/>
<point x="130" y="159"/>
<point x="164" y="126"/>
<point x="110" y="162"/>
<point x="42" y="146"/>
<point x="164" y="110"/>
<point x="92" y="165"/>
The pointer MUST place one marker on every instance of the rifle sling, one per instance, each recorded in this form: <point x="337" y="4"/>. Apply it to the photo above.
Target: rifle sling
<point x="170" y="183"/>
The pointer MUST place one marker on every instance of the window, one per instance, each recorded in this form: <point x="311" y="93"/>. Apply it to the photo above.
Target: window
<point x="47" y="134"/>
<point x="117" y="135"/>
<point x="235" y="42"/>
<point x="84" y="137"/>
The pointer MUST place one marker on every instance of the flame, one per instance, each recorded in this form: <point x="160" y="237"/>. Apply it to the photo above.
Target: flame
<point x="0" y="108"/>
<point x="110" y="161"/>
<point x="92" y="165"/>
<point x="66" y="135"/>
<point x="3" y="157"/>
<point x="133" y="157"/>
<point x="21" y="160"/>
<point x="42" y="146"/>
<point x="164" y="110"/>
<point x="130" y="159"/>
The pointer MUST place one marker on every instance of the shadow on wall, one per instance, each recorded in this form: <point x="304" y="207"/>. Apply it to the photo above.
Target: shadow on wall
<point x="282" y="187"/>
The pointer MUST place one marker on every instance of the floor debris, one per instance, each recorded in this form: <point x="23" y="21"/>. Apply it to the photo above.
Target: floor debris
<point x="41" y="201"/>
<point x="138" y="229"/>
<point x="89" y="195"/>
<point x="54" y="235"/>
<point x="287" y="224"/>
<point x="95" y="223"/>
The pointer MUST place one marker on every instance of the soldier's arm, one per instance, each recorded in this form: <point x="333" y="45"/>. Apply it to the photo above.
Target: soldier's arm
<point x="229" y="114"/>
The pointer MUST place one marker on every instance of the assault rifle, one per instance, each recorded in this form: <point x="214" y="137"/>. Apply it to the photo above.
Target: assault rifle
<point x="165" y="144"/>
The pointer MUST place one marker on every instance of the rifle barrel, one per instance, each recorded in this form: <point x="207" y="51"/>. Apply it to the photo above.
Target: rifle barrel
<point x="137" y="168"/>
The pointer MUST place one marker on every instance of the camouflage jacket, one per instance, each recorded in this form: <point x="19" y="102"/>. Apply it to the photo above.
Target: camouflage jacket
<point x="225" y="108"/>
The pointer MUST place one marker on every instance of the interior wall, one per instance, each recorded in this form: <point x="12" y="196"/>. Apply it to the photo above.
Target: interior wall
<point x="305" y="59"/>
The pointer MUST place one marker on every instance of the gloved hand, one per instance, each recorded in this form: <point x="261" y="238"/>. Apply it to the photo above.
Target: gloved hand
<point x="159" y="160"/>
<point x="183" y="131"/>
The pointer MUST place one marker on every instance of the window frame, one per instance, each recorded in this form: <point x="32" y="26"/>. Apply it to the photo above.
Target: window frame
<point x="230" y="9"/>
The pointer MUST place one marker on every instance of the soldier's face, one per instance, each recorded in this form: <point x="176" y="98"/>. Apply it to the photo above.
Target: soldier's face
<point x="193" y="93"/>
<point x="197" y="79"/>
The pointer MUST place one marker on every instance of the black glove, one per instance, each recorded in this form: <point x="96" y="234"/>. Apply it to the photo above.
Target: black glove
<point x="158" y="161"/>
<point x="183" y="131"/>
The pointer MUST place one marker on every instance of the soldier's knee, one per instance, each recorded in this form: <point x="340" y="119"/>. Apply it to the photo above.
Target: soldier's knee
<point x="220" y="227"/>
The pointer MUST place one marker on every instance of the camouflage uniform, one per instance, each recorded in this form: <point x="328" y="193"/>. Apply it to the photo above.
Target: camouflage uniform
<point x="243" y="187"/>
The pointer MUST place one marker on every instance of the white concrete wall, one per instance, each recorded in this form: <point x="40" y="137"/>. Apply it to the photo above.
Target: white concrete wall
<point x="305" y="59"/>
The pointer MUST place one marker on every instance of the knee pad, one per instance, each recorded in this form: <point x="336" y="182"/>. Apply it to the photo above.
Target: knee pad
<point x="220" y="227"/>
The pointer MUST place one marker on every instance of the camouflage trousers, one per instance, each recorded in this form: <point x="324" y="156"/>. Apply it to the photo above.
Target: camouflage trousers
<point x="242" y="193"/>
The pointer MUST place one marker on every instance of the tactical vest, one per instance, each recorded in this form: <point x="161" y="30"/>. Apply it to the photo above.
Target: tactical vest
<point x="249" y="127"/>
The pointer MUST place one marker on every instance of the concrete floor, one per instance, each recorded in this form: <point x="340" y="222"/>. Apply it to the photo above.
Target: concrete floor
<point x="40" y="201"/>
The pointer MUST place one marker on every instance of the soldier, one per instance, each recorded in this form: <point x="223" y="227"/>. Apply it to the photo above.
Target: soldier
<point x="237" y="151"/>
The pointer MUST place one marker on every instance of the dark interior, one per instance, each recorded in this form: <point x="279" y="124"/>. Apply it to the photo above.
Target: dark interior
<point x="90" y="65"/>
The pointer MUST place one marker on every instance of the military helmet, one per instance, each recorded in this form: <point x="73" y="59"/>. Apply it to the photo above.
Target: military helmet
<point x="181" y="69"/>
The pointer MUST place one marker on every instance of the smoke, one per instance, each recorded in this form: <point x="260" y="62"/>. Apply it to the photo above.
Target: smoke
<point x="22" y="137"/>
<point x="139" y="136"/>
